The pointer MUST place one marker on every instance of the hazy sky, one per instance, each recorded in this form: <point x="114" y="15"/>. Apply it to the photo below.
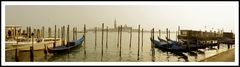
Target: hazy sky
<point x="194" y="17"/>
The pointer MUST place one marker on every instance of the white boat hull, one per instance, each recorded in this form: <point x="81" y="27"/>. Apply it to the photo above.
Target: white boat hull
<point x="25" y="46"/>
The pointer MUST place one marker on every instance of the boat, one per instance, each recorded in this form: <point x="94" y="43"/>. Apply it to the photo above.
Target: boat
<point x="24" y="44"/>
<point x="225" y="40"/>
<point x="69" y="45"/>
<point x="174" y="48"/>
<point x="193" y="44"/>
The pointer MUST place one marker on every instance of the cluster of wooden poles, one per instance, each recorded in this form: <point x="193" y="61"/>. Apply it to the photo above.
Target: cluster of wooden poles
<point x="37" y="34"/>
<point x="119" y="41"/>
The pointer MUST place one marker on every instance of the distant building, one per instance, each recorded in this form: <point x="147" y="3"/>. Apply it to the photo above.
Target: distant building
<point x="228" y="35"/>
<point x="125" y="28"/>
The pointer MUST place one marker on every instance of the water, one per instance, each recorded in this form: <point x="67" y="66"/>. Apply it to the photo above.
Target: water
<point x="112" y="52"/>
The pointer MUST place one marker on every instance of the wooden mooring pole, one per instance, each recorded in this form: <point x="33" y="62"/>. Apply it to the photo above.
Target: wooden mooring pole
<point x="58" y="32"/>
<point x="85" y="40"/>
<point x="153" y="46"/>
<point x="107" y="38"/>
<point x="76" y="38"/>
<point x="118" y="37"/>
<point x="68" y="44"/>
<point x="31" y="49"/>
<point x="178" y="34"/>
<point x="95" y="37"/>
<point x="74" y="33"/>
<point x="228" y="45"/>
<point x="102" y="40"/>
<point x="43" y="34"/>
<point x="120" y="52"/>
<point x="218" y="44"/>
<point x="159" y="33"/>
<point x="55" y="35"/>
<point x="167" y="37"/>
<point x="138" y="41"/>
<point x="142" y="37"/>
<point x="45" y="49"/>
<point x="49" y="32"/>
<point x="31" y="54"/>
<point x="16" y="52"/>
<point x="16" y="55"/>
<point x="130" y="38"/>
<point x="169" y="34"/>
<point x="64" y="37"/>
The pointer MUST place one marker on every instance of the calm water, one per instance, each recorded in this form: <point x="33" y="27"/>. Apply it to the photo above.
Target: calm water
<point x="111" y="53"/>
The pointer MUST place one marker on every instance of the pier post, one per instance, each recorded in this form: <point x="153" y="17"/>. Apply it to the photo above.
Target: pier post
<point x="118" y="37"/>
<point x="64" y="35"/>
<point x="153" y="46"/>
<point x="14" y="33"/>
<point x="138" y="41"/>
<point x="152" y="42"/>
<point x="159" y="33"/>
<point x="30" y="32"/>
<point x="205" y="39"/>
<point x="167" y="37"/>
<point x="228" y="46"/>
<point x="130" y="38"/>
<point x="169" y="34"/>
<point x="85" y="40"/>
<point x="27" y="32"/>
<point x="31" y="54"/>
<point x="38" y="33"/>
<point x="17" y="39"/>
<point x="178" y="34"/>
<point x="49" y="32"/>
<point x="58" y="32"/>
<point x="120" y="52"/>
<point x="54" y="45"/>
<point x="32" y="40"/>
<point x="211" y="38"/>
<point x="95" y="37"/>
<point x="6" y="33"/>
<point x="68" y="44"/>
<point x="61" y="36"/>
<point x="43" y="32"/>
<point x="142" y="37"/>
<point x="16" y="55"/>
<point x="73" y="33"/>
<point x="218" y="44"/>
<point x="76" y="38"/>
<point x="102" y="39"/>
<point x="34" y="31"/>
<point x="45" y="49"/>
<point x="16" y="51"/>
<point x="107" y="38"/>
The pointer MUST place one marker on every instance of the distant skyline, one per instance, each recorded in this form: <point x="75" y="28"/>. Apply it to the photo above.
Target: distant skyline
<point x="194" y="17"/>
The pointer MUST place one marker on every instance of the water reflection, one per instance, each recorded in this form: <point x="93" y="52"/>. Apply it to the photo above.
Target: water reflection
<point x="179" y="54"/>
<point x="95" y="53"/>
<point x="62" y="55"/>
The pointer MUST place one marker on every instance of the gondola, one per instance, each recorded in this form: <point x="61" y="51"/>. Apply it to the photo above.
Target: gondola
<point x="69" y="45"/>
<point x="168" y="47"/>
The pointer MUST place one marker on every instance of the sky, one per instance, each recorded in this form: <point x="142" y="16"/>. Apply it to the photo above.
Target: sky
<point x="158" y="15"/>
<point x="195" y="17"/>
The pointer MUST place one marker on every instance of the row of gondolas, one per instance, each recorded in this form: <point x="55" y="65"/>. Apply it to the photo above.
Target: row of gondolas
<point x="180" y="46"/>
